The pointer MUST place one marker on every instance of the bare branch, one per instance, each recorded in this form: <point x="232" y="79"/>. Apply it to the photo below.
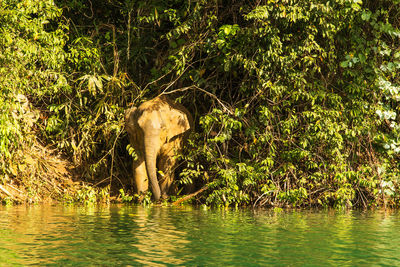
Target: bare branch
<point x="194" y="87"/>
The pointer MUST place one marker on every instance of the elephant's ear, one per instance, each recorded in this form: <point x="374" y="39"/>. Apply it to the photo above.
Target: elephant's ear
<point x="178" y="124"/>
<point x="129" y="112"/>
<point x="129" y="119"/>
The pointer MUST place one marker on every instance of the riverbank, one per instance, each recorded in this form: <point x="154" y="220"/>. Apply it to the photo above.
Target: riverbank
<point x="39" y="175"/>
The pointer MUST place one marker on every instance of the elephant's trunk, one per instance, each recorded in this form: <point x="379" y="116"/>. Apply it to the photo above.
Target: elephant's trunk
<point x="151" y="147"/>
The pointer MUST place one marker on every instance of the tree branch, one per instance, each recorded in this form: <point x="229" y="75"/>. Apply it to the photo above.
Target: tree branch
<point x="176" y="203"/>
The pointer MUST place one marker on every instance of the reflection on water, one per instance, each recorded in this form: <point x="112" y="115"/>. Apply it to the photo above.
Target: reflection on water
<point x="186" y="236"/>
<point x="158" y="239"/>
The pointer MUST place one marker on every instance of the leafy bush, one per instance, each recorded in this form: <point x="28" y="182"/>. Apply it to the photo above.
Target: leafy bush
<point x="302" y="100"/>
<point x="296" y="102"/>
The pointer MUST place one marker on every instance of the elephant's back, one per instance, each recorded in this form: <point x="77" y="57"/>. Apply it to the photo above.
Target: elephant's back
<point x="159" y="103"/>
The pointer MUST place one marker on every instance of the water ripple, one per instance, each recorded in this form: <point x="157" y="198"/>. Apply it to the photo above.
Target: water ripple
<point x="160" y="236"/>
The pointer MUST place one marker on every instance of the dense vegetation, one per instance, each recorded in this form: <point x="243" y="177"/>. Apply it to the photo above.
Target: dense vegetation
<point x="295" y="102"/>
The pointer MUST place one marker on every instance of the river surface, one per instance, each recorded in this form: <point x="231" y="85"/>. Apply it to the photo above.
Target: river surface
<point x="186" y="236"/>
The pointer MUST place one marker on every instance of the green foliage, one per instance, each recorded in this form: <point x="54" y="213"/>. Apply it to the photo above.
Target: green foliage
<point x="88" y="195"/>
<point x="296" y="102"/>
<point x="125" y="197"/>
<point x="52" y="86"/>
<point x="31" y="59"/>
<point x="306" y="110"/>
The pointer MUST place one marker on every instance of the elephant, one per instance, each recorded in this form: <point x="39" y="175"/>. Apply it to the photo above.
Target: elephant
<point x="157" y="130"/>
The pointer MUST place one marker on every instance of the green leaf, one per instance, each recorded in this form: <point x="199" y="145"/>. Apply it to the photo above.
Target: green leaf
<point x="227" y="30"/>
<point x="344" y="64"/>
<point x="366" y="15"/>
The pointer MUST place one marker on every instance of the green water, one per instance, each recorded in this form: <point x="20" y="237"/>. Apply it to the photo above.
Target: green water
<point x="162" y="236"/>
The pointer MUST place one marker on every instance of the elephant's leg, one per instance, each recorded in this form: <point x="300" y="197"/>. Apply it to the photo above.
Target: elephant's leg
<point x="166" y="164"/>
<point x="140" y="176"/>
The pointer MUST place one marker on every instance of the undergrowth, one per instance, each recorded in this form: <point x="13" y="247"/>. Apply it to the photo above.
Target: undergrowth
<point x="295" y="102"/>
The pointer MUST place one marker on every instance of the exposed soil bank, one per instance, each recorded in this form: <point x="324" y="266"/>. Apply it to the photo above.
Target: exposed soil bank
<point x="39" y="175"/>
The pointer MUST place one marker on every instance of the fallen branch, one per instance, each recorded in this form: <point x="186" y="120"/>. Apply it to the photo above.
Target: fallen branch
<point x="16" y="189"/>
<point x="6" y="192"/>
<point x="190" y="196"/>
